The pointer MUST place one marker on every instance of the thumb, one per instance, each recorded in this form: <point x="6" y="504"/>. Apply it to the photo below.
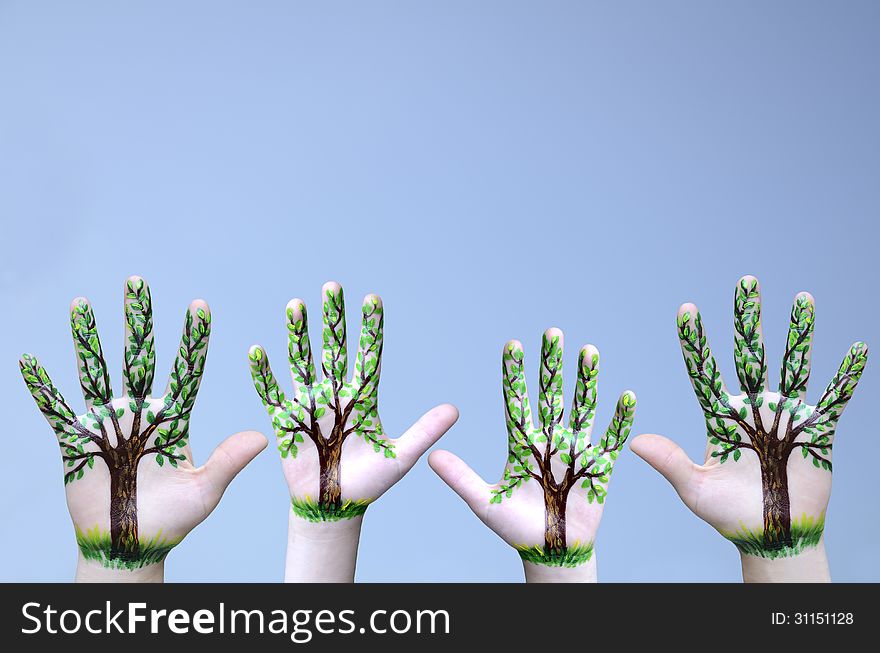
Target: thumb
<point x="422" y="435"/>
<point x="229" y="458"/>
<point x="462" y="479"/>
<point x="670" y="460"/>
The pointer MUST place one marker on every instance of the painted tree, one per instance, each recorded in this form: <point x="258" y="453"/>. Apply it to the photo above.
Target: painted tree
<point x="120" y="433"/>
<point x="558" y="458"/>
<point x="771" y="426"/>
<point x="323" y="416"/>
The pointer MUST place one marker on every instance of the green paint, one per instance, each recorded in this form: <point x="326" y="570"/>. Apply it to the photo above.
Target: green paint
<point x="573" y="556"/>
<point x="806" y="532"/>
<point x="741" y="423"/>
<point x="325" y="413"/>
<point x="94" y="379"/>
<point x="534" y="451"/>
<point x="97" y="546"/>
<point x="311" y="510"/>
<point x="119" y="433"/>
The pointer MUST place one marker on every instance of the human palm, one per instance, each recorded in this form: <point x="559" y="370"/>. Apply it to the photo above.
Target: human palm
<point x="766" y="479"/>
<point x="549" y="501"/>
<point x="336" y="456"/>
<point x="132" y="489"/>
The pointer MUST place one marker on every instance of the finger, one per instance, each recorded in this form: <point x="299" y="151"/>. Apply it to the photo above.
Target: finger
<point x="299" y="348"/>
<point x="517" y="411"/>
<point x="49" y="400"/>
<point x="422" y="435"/>
<point x="139" y="360"/>
<point x="228" y="460"/>
<point x="368" y="363"/>
<point x="670" y="460"/>
<point x="621" y="424"/>
<point x="189" y="364"/>
<point x="93" y="376"/>
<point x="550" y="389"/>
<point x="464" y="481"/>
<point x="598" y="462"/>
<point x="840" y="390"/>
<point x="334" y="357"/>
<point x="264" y="381"/>
<point x="751" y="366"/>
<point x="701" y="366"/>
<point x="796" y="362"/>
<point x="584" y="406"/>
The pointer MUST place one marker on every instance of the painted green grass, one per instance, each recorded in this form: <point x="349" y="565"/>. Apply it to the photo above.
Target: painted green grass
<point x="574" y="555"/>
<point x="95" y="546"/>
<point x="314" y="511"/>
<point x="805" y="533"/>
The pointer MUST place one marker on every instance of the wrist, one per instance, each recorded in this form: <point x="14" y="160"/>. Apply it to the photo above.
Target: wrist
<point x="809" y="566"/>
<point x="538" y="573"/>
<point x="90" y="571"/>
<point x="322" y="551"/>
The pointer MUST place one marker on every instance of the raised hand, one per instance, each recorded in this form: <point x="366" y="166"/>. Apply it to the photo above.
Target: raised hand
<point x="132" y="489"/>
<point x="766" y="479"/>
<point x="549" y="501"/>
<point x="336" y="456"/>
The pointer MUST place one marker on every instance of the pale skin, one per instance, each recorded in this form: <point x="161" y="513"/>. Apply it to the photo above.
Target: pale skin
<point x="516" y="507"/>
<point x="171" y="498"/>
<point x="335" y="455"/>
<point x="730" y="492"/>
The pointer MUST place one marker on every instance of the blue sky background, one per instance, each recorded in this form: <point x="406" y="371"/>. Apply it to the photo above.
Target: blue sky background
<point x="491" y="169"/>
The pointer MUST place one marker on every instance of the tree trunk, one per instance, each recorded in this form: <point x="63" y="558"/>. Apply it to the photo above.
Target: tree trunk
<point x="554" y="521"/>
<point x="330" y="458"/>
<point x="777" y="511"/>
<point x="123" y="511"/>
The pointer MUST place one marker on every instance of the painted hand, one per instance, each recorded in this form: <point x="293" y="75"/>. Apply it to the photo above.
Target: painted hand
<point x="766" y="479"/>
<point x="549" y="501"/>
<point x="336" y="457"/>
<point x="132" y="489"/>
